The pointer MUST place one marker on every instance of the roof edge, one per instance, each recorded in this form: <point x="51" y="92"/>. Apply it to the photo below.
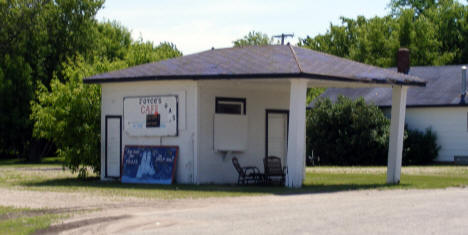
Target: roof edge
<point x="91" y="80"/>
<point x="428" y="106"/>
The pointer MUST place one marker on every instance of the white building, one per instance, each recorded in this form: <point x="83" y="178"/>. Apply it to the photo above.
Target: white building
<point x="247" y="102"/>
<point x="440" y="105"/>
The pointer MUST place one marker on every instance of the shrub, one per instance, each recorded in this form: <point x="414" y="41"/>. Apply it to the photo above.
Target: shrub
<point x="351" y="132"/>
<point x="420" y="148"/>
<point x="347" y="132"/>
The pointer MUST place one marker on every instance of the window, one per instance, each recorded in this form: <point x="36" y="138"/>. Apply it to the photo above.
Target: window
<point x="230" y="105"/>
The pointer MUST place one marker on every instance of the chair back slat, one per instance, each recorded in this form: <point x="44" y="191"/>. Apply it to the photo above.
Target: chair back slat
<point x="272" y="165"/>
<point x="235" y="162"/>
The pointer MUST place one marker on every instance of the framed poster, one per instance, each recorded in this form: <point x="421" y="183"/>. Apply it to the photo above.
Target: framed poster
<point x="149" y="164"/>
<point x="151" y="115"/>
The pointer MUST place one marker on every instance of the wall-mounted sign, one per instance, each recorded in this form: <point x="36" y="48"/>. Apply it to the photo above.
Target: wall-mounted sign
<point x="149" y="164"/>
<point x="151" y="115"/>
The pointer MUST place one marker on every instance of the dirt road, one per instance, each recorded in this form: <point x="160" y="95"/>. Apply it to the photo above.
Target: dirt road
<point x="358" y="212"/>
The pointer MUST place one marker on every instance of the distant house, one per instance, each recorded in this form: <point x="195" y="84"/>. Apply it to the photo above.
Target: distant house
<point x="440" y="105"/>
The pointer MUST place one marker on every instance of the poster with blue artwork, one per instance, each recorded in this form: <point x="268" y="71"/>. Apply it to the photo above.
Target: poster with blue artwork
<point x="149" y="164"/>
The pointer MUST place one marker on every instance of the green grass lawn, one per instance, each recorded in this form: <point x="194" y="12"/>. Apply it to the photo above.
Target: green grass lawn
<point x="25" y="221"/>
<point x="49" y="176"/>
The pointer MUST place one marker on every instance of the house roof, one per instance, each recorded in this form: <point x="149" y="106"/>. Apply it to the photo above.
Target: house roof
<point x="442" y="89"/>
<point x="258" y="62"/>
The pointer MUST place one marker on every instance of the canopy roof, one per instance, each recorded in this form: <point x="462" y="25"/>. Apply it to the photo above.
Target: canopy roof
<point x="258" y="62"/>
<point x="443" y="89"/>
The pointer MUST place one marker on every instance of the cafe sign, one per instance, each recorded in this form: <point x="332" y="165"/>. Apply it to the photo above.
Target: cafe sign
<point x="151" y="115"/>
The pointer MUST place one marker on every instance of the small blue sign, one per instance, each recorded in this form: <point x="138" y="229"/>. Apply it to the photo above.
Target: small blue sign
<point x="149" y="164"/>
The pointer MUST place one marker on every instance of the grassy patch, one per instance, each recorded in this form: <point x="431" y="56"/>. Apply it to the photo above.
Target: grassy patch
<point x="18" y="162"/>
<point x="24" y="220"/>
<point x="51" y="177"/>
<point x="413" y="177"/>
<point x="318" y="179"/>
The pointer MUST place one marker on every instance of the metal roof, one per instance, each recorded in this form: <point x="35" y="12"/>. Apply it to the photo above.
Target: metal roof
<point x="443" y="88"/>
<point x="254" y="62"/>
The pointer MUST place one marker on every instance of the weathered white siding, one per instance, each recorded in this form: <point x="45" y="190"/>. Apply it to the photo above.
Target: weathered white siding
<point x="450" y="124"/>
<point x="213" y="167"/>
<point x="198" y="162"/>
<point x="112" y="104"/>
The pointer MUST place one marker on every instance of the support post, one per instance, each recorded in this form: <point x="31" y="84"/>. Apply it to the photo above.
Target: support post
<point x="296" y="133"/>
<point x="397" y="126"/>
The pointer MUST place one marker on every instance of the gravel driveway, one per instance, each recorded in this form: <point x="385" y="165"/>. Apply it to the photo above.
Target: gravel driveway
<point x="357" y="212"/>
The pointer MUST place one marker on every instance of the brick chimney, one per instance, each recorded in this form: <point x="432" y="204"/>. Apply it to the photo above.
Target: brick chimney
<point x="403" y="60"/>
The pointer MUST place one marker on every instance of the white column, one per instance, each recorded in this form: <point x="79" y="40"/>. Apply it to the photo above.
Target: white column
<point x="397" y="126"/>
<point x="296" y="133"/>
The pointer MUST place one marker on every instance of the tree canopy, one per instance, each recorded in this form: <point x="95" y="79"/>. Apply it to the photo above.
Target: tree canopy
<point x="46" y="48"/>
<point x="254" y="38"/>
<point x="36" y="37"/>
<point x="436" y="32"/>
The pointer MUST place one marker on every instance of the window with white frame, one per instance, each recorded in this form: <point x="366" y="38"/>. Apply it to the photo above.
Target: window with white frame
<point x="230" y="105"/>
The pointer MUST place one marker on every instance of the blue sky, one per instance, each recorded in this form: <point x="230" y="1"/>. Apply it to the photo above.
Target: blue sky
<point x="199" y="25"/>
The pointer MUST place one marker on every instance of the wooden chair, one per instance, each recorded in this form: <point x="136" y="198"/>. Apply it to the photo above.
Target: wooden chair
<point x="246" y="174"/>
<point x="273" y="170"/>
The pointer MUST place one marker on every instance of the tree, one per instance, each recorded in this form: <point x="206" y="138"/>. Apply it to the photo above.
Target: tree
<point x="347" y="132"/>
<point x="36" y="37"/>
<point x="434" y="31"/>
<point x="253" y="39"/>
<point x="16" y="90"/>
<point x="143" y="52"/>
<point x="69" y="113"/>
<point x="419" y="6"/>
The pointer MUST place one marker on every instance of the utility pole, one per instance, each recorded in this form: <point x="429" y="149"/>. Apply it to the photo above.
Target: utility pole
<point x="282" y="36"/>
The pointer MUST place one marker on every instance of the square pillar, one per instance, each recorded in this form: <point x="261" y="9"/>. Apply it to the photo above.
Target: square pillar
<point x="296" y="133"/>
<point x="397" y="128"/>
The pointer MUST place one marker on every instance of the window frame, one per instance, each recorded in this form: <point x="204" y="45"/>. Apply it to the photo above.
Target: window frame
<point x="220" y="100"/>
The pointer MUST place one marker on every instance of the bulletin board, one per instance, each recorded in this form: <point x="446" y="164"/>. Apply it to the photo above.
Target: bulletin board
<point x="149" y="164"/>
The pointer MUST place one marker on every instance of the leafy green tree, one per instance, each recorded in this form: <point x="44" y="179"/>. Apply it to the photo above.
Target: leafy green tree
<point x="449" y="17"/>
<point x="347" y="132"/>
<point x="313" y="93"/>
<point x="69" y="114"/>
<point x="112" y="41"/>
<point x="434" y="31"/>
<point x="254" y="38"/>
<point x="18" y="21"/>
<point x="419" y="6"/>
<point x="14" y="97"/>
<point x="36" y="37"/>
<point x="143" y="52"/>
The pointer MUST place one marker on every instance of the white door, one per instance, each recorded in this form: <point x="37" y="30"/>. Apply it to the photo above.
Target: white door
<point x="277" y="135"/>
<point x="113" y="145"/>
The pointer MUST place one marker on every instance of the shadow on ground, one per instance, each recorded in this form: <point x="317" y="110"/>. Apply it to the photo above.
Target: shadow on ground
<point x="208" y="188"/>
